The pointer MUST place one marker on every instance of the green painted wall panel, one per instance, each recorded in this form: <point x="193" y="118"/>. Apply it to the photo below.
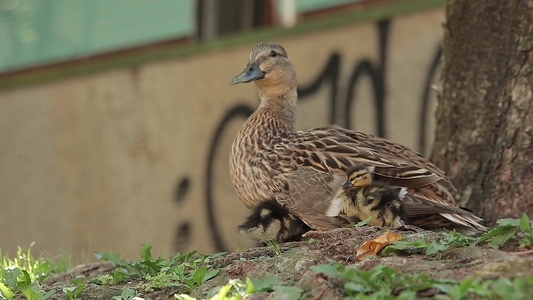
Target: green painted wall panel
<point x="34" y="32"/>
<point x="310" y="5"/>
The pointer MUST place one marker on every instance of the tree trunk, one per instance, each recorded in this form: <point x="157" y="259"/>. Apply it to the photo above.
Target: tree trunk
<point x="484" y="134"/>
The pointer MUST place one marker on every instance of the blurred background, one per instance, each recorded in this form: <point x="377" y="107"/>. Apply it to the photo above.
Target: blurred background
<point x="116" y="117"/>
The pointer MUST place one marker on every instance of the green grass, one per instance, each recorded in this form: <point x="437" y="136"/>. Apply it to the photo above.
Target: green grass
<point x="236" y="289"/>
<point x="181" y="270"/>
<point x="381" y="281"/>
<point x="507" y="229"/>
<point x="452" y="239"/>
<point x="384" y="282"/>
<point x="24" y="274"/>
<point x="496" y="237"/>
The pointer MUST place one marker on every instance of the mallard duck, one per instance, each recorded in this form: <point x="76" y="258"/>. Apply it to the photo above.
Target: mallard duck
<point x="361" y="197"/>
<point x="302" y="170"/>
<point x="273" y="220"/>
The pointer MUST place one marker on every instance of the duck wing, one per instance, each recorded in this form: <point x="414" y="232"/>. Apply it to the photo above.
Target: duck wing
<point x="393" y="162"/>
<point x="335" y="149"/>
<point x="422" y="212"/>
<point x="325" y="153"/>
<point x="310" y="196"/>
<point x="417" y="207"/>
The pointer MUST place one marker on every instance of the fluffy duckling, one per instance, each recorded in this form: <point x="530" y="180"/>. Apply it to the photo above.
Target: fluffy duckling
<point x="302" y="170"/>
<point x="272" y="219"/>
<point x="361" y="197"/>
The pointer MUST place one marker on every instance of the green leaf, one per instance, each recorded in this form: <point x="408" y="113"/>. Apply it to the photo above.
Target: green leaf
<point x="502" y="237"/>
<point x="224" y="291"/>
<point x="47" y="295"/>
<point x="497" y="230"/>
<point x="77" y="280"/>
<point x="127" y="293"/>
<point x="363" y="222"/>
<point x="508" y="222"/>
<point x="10" y="278"/>
<point x="146" y="251"/>
<point x="69" y="290"/>
<point x="30" y="293"/>
<point x="286" y="293"/>
<point x="6" y="291"/>
<point x="119" y="275"/>
<point x="190" y="283"/>
<point x="332" y="270"/>
<point x="357" y="287"/>
<point x="79" y="286"/>
<point x="406" y="295"/>
<point x="211" y="274"/>
<point x="250" y="288"/>
<point x="525" y="226"/>
<point x="152" y="267"/>
<point x="444" y="287"/>
<point x="458" y="238"/>
<point x="402" y="245"/>
<point x="524" y="223"/>
<point x="27" y="277"/>
<point x="264" y="284"/>
<point x="435" y="248"/>
<point x="199" y="275"/>
<point x="114" y="258"/>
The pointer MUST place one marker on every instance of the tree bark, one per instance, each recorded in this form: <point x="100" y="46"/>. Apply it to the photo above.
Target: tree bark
<point x="484" y="133"/>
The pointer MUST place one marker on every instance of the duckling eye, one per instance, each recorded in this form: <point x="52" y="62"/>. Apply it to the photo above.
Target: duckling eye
<point x="273" y="53"/>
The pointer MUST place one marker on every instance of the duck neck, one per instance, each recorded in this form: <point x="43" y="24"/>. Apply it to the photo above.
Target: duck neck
<point x="280" y="106"/>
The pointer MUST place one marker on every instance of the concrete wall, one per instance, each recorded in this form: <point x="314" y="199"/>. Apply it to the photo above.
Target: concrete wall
<point x="110" y="160"/>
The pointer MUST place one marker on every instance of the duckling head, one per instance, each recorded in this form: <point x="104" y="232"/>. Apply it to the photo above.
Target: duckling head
<point x="270" y="69"/>
<point x="358" y="176"/>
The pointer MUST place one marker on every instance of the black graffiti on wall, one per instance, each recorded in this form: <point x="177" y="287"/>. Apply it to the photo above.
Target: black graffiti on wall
<point x="339" y="113"/>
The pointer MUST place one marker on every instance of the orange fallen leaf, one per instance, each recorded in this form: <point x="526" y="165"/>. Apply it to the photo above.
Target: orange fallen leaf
<point x="372" y="247"/>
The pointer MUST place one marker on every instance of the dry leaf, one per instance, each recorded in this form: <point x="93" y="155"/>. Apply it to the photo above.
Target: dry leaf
<point x="372" y="247"/>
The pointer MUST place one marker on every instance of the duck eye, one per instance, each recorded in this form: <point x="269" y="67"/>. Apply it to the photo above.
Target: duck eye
<point x="273" y="53"/>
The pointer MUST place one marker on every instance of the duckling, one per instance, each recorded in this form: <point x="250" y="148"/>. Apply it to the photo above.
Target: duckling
<point x="302" y="170"/>
<point x="361" y="197"/>
<point x="272" y="219"/>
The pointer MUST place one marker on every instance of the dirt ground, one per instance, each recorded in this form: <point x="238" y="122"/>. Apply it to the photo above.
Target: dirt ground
<point x="292" y="264"/>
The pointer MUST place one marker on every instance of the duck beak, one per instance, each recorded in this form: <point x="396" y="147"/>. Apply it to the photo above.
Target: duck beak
<point x="346" y="184"/>
<point x="250" y="73"/>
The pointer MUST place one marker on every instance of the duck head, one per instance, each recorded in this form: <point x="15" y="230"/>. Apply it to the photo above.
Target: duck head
<point x="358" y="176"/>
<point x="269" y="68"/>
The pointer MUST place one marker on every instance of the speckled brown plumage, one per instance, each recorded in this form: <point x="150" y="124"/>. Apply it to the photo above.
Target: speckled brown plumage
<point x="302" y="170"/>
